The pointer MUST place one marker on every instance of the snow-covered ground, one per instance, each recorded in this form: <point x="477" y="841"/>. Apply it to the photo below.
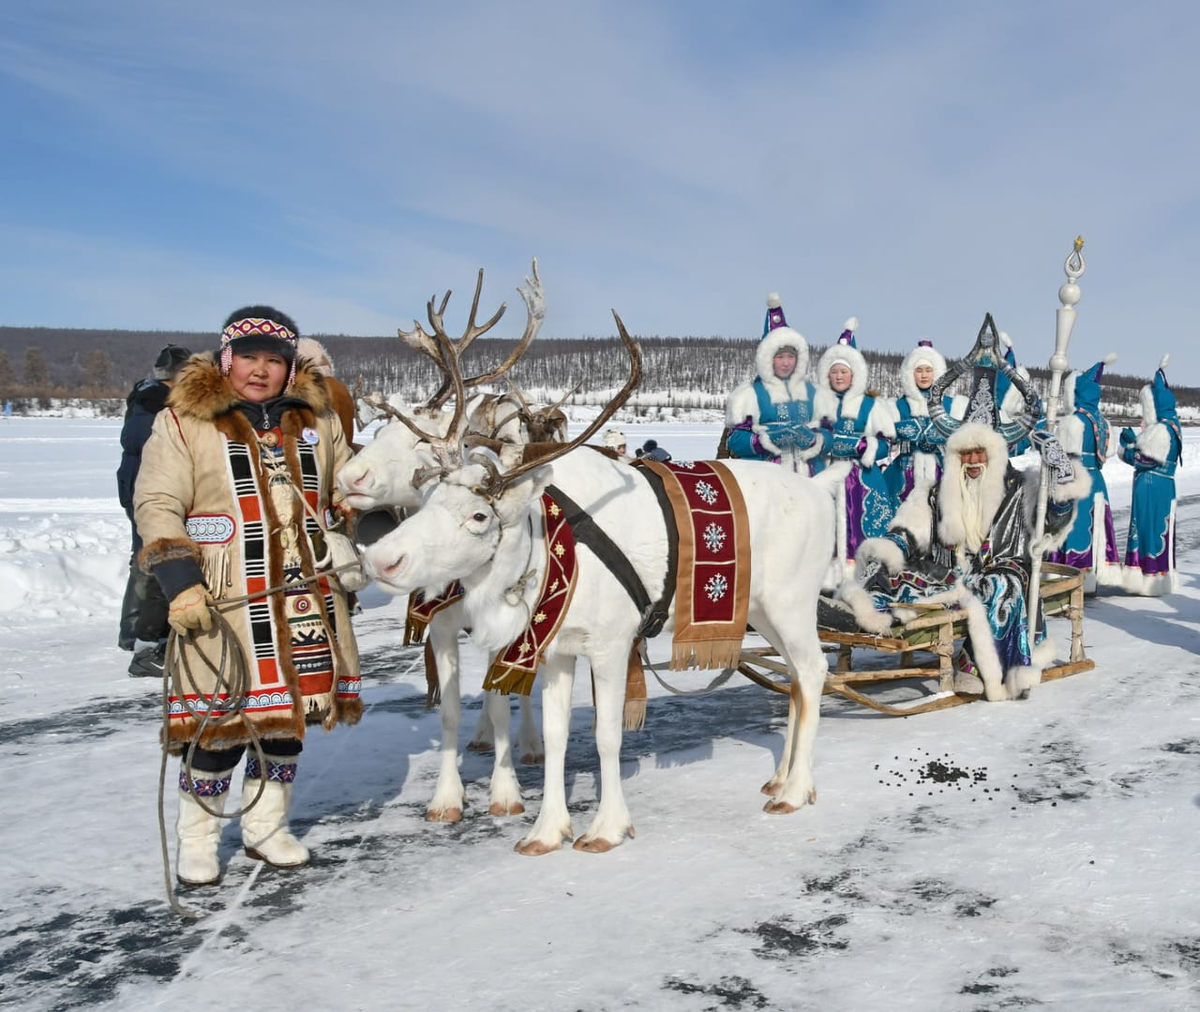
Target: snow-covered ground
<point x="1052" y="862"/>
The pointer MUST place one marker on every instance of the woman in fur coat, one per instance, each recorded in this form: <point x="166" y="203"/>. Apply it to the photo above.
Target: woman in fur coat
<point x="1091" y="544"/>
<point x="235" y="490"/>
<point x="919" y="443"/>
<point x="859" y="426"/>
<point x="1153" y="454"/>
<point x="771" y="416"/>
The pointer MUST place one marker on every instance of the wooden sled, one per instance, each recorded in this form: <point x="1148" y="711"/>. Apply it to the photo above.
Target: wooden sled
<point x="924" y="648"/>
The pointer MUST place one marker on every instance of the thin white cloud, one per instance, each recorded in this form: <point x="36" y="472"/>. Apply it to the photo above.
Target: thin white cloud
<point x="916" y="165"/>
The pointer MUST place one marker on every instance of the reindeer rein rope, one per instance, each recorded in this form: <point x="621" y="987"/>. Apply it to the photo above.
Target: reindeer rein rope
<point x="235" y="689"/>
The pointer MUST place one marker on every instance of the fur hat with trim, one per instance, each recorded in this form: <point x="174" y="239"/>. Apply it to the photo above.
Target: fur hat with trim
<point x="777" y="336"/>
<point x="1158" y="402"/>
<point x="923" y="354"/>
<point x="259" y="328"/>
<point x="614" y="439"/>
<point x="1081" y="389"/>
<point x="170" y="360"/>
<point x="844" y="351"/>
<point x="974" y="436"/>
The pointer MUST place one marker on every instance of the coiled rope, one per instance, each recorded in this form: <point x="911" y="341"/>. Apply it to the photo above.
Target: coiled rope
<point x="232" y="680"/>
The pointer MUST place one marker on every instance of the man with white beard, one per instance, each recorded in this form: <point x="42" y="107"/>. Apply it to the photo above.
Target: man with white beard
<point x="968" y="540"/>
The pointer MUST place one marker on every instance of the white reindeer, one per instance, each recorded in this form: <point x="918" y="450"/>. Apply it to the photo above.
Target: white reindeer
<point x="381" y="475"/>
<point x="482" y="526"/>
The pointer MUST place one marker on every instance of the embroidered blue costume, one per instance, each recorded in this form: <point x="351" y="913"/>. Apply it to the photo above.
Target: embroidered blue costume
<point x="859" y="427"/>
<point x="1091" y="544"/>
<point x="771" y="417"/>
<point x="968" y="541"/>
<point x="1154" y="455"/>
<point x="919" y="444"/>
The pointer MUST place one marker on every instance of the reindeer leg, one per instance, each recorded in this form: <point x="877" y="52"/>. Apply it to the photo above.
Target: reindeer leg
<point x="773" y="786"/>
<point x="808" y="666"/>
<point x="483" y="739"/>
<point x="506" y="791"/>
<point x="529" y="738"/>
<point x="553" y="823"/>
<point x="448" y="796"/>
<point x="611" y="825"/>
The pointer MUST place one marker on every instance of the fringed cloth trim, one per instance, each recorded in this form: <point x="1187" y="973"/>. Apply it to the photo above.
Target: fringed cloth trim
<point x="421" y="610"/>
<point x="416" y="622"/>
<point x="713" y="579"/>
<point x="515" y="669"/>
<point x="635" y="690"/>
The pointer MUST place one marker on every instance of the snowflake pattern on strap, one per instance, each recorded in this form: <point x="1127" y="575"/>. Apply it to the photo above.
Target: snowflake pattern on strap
<point x="714" y="537"/>
<point x="687" y="465"/>
<point x="716" y="587"/>
<point x="707" y="492"/>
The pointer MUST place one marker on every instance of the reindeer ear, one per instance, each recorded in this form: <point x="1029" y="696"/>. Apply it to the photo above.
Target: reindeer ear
<point x="516" y="498"/>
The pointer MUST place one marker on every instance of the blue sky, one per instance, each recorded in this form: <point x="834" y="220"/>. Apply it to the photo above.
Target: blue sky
<point x="913" y="164"/>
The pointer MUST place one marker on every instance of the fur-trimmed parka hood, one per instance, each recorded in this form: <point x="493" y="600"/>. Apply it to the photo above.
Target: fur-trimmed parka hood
<point x="922" y="354"/>
<point x="792" y="388"/>
<point x="200" y="391"/>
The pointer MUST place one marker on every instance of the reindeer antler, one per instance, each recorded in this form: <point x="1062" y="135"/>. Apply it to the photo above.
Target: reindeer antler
<point x="430" y="344"/>
<point x="497" y="482"/>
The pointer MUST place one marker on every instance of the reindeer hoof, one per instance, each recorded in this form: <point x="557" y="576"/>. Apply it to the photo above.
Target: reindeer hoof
<point x="771" y="787"/>
<point x="516" y="808"/>
<point x="444" y="815"/>
<point x="779" y="808"/>
<point x="535" y="848"/>
<point x="533" y="759"/>
<point x="596" y="846"/>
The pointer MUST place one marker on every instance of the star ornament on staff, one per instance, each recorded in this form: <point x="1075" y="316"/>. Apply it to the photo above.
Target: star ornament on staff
<point x="1069" y="295"/>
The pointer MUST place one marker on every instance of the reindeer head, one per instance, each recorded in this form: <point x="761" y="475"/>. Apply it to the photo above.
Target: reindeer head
<point x="381" y="474"/>
<point x="460" y="526"/>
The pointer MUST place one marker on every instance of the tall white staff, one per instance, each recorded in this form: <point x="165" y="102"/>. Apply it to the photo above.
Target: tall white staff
<point x="1068" y="295"/>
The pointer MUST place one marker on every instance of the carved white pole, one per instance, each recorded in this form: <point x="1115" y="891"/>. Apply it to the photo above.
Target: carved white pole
<point x="1068" y="295"/>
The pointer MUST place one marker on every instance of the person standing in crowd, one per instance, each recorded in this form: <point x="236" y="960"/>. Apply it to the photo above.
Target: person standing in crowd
<point x="1154" y="454"/>
<point x="859" y="427"/>
<point x="919" y="443"/>
<point x="650" y="450"/>
<point x="615" y="440"/>
<point x="771" y="417"/>
<point x="143" y="609"/>
<point x="969" y="540"/>
<point x="340" y="397"/>
<point x="1091" y="544"/>
<point x="234" y="501"/>
<point x="1010" y="402"/>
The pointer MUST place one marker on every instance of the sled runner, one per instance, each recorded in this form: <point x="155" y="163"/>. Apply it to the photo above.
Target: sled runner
<point x="919" y="654"/>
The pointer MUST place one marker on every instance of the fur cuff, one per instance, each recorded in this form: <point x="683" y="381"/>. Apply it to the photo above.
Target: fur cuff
<point x="869" y="618"/>
<point x="1077" y="488"/>
<point x="167" y="550"/>
<point x="883" y="551"/>
<point x="765" y="442"/>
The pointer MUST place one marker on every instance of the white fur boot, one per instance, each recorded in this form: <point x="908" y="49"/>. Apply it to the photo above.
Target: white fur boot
<point x="265" y="833"/>
<point x="197" y="832"/>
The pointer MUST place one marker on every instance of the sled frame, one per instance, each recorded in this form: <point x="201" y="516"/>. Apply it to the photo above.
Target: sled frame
<point x="924" y="649"/>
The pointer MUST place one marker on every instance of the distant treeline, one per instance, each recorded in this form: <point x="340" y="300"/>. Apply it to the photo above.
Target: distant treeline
<point x="39" y="363"/>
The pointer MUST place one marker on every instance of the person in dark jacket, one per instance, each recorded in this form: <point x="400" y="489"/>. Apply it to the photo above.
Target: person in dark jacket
<point x="144" y="610"/>
<point x="650" y="450"/>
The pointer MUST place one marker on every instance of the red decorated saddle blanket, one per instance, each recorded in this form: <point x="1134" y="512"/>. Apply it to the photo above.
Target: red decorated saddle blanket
<point x="712" y="589"/>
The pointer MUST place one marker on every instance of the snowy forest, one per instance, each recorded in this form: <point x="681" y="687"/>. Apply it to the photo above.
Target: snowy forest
<point x="40" y="365"/>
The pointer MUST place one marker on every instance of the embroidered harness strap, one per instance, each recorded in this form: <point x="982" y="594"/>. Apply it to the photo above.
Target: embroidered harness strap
<point x="588" y="532"/>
